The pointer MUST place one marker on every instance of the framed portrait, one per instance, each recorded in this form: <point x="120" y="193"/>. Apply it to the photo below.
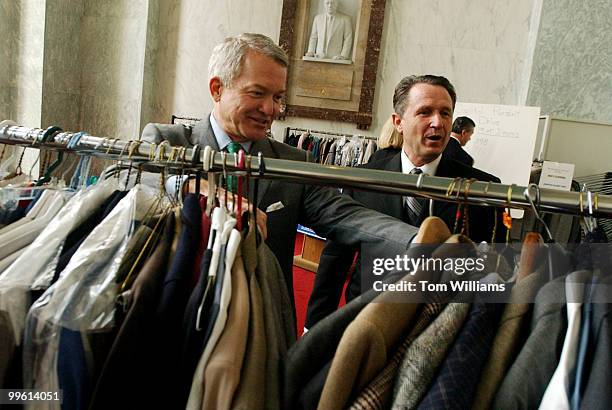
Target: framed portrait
<point x="333" y="47"/>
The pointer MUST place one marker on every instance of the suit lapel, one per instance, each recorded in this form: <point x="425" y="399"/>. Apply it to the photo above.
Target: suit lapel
<point x="444" y="207"/>
<point x="267" y="151"/>
<point x="394" y="203"/>
<point x="331" y="31"/>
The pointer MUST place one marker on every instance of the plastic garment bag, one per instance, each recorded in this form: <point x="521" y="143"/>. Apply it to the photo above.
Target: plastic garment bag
<point x="83" y="298"/>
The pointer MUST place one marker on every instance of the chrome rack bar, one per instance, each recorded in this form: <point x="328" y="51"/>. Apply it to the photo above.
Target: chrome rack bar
<point x="482" y="193"/>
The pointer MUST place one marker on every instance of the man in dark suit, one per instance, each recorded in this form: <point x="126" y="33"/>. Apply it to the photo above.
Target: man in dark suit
<point x="247" y="77"/>
<point x="423" y="108"/>
<point x="463" y="129"/>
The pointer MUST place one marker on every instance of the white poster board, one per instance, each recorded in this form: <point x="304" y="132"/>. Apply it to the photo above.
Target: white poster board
<point x="503" y="141"/>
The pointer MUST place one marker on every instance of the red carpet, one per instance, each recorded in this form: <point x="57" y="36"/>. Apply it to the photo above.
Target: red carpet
<point x="303" y="281"/>
<point x="302" y="287"/>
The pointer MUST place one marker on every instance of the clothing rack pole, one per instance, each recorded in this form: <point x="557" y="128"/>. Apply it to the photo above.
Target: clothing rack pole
<point x="438" y="188"/>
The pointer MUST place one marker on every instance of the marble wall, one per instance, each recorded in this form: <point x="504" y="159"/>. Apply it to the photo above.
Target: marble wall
<point x="28" y="52"/>
<point x="572" y="63"/>
<point x="112" y="54"/>
<point x="188" y="31"/>
<point x="9" y="33"/>
<point x="481" y="49"/>
<point x="110" y="67"/>
<point x="61" y="91"/>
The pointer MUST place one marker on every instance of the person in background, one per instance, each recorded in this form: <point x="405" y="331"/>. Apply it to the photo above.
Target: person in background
<point x="389" y="137"/>
<point x="423" y="111"/>
<point x="463" y="129"/>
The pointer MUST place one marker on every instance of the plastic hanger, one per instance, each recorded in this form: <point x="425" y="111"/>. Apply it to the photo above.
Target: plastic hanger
<point x="238" y="201"/>
<point x="47" y="137"/>
<point x="219" y="217"/>
<point x="260" y="171"/>
<point x="246" y="216"/>
<point x="533" y="244"/>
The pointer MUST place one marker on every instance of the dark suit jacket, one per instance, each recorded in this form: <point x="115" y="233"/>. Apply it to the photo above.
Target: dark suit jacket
<point x="598" y="394"/>
<point x="323" y="209"/>
<point x="336" y="259"/>
<point x="528" y="377"/>
<point x="455" y="151"/>
<point x="455" y="384"/>
<point x="129" y="369"/>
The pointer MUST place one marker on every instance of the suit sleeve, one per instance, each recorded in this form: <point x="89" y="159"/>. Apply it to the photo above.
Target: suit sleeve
<point x="314" y="35"/>
<point x="347" y="44"/>
<point x="175" y="134"/>
<point x="349" y="223"/>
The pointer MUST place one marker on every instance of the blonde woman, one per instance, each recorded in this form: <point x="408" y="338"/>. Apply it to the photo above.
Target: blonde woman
<point x="389" y="136"/>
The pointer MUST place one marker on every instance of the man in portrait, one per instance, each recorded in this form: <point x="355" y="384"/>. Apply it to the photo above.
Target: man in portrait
<point x="331" y="35"/>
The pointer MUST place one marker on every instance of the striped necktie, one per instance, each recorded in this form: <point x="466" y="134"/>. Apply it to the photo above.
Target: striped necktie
<point x="414" y="205"/>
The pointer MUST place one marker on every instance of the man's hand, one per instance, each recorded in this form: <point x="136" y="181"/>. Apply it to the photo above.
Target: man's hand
<point x="262" y="217"/>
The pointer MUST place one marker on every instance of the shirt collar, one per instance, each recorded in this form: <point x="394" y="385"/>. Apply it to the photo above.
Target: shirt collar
<point x="457" y="139"/>
<point x="429" y="169"/>
<point x="222" y="138"/>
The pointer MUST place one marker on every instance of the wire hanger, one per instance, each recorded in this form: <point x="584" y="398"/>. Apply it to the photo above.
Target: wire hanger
<point x="535" y="209"/>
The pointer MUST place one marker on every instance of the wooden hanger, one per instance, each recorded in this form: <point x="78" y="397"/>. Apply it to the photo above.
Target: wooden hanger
<point x="530" y="252"/>
<point x="432" y="230"/>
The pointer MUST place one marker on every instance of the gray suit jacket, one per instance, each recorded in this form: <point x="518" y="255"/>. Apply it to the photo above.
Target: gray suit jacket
<point x="323" y="209"/>
<point x="509" y="338"/>
<point x="598" y="394"/>
<point x="527" y="379"/>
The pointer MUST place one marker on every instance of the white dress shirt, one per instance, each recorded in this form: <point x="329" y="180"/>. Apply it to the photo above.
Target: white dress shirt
<point x="556" y="396"/>
<point x="429" y="169"/>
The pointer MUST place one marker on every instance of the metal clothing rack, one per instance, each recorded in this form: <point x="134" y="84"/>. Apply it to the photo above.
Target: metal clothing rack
<point x="438" y="188"/>
<point x="325" y="134"/>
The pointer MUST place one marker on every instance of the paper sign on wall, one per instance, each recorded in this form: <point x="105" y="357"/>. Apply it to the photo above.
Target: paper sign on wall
<point x="503" y="141"/>
<point x="557" y="175"/>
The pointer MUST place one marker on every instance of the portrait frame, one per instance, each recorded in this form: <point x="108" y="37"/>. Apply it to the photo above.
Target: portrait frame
<point x="354" y="107"/>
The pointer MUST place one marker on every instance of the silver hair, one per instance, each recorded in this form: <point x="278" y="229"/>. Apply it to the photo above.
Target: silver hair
<point x="228" y="57"/>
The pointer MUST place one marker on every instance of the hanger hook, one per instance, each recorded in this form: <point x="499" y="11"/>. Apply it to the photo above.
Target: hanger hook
<point x="461" y="180"/>
<point x="419" y="180"/>
<point x="534" y="207"/>
<point x="536" y="211"/>
<point x="224" y="163"/>
<point x="590" y="201"/>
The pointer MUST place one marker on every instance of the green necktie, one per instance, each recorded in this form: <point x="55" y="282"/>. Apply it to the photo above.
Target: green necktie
<point x="232" y="148"/>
